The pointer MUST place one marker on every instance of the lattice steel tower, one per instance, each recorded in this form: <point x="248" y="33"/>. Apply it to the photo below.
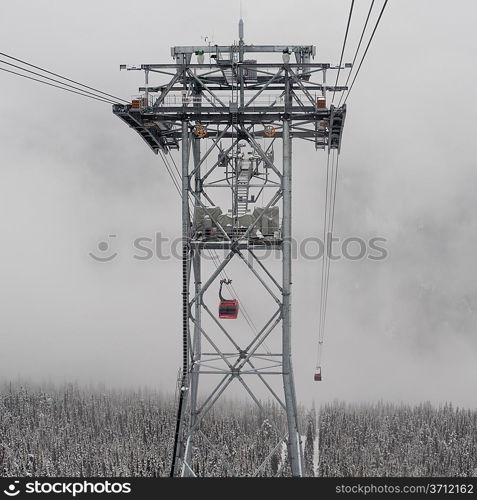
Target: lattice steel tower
<point x="239" y="106"/>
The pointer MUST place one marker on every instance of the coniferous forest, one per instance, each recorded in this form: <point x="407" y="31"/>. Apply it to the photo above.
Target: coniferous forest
<point x="75" y="431"/>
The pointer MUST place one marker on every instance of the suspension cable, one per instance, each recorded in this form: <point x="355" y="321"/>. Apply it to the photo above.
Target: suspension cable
<point x="57" y="81"/>
<point x="331" y="228"/>
<point x="327" y="243"/>
<point x="62" y="77"/>
<point x="343" y="48"/>
<point x="366" y="51"/>
<point x="57" y="86"/>
<point x="171" y="175"/>
<point x="323" y="262"/>
<point x="328" y="227"/>
<point x="357" y="49"/>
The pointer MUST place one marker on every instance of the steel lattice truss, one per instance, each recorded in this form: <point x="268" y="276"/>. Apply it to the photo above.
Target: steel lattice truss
<point x="230" y="103"/>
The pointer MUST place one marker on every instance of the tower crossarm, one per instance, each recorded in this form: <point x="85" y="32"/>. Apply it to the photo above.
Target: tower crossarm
<point x="227" y="92"/>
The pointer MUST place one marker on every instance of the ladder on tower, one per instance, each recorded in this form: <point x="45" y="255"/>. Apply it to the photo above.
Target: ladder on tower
<point x="243" y="187"/>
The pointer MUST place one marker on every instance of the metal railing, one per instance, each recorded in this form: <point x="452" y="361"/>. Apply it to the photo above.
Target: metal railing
<point x="179" y="100"/>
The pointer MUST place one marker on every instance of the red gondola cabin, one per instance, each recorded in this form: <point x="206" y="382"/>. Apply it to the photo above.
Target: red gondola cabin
<point x="318" y="374"/>
<point x="228" y="308"/>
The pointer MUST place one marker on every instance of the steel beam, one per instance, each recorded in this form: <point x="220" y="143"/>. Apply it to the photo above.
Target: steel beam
<point x="294" y="448"/>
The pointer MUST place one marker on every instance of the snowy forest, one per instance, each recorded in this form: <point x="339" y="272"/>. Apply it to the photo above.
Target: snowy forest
<point x="77" y="431"/>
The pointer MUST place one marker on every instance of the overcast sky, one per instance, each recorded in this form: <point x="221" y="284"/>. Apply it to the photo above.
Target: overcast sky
<point x="71" y="174"/>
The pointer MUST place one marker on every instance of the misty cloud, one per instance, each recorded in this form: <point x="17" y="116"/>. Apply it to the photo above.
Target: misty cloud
<point x="71" y="174"/>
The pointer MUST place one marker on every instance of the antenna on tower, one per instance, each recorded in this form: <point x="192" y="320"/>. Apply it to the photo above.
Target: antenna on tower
<point x="241" y="23"/>
<point x="241" y="30"/>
